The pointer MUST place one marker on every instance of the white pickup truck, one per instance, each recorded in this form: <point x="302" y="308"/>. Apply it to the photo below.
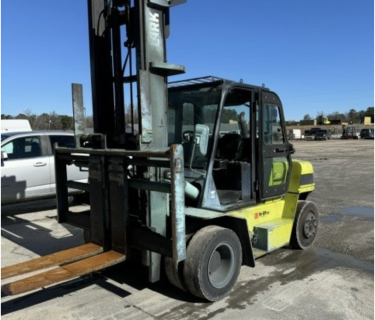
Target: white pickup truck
<point x="28" y="165"/>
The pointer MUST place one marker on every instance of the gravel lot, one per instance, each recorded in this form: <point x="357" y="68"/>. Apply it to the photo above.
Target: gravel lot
<point x="332" y="280"/>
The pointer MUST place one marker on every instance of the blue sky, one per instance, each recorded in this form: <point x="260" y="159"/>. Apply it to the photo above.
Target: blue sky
<point x="318" y="55"/>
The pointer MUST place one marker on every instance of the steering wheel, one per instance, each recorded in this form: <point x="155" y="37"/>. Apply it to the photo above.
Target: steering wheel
<point x="188" y="135"/>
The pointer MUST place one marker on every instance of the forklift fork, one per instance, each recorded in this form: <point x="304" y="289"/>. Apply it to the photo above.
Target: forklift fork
<point x="72" y="263"/>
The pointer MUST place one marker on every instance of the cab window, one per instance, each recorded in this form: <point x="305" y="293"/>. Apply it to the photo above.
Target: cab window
<point x="62" y="141"/>
<point x="273" y="134"/>
<point x="22" y="148"/>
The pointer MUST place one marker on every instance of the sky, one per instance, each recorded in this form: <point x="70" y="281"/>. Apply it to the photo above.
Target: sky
<point x="317" y="55"/>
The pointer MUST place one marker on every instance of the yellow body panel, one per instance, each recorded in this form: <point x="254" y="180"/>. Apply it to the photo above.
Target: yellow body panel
<point x="260" y="213"/>
<point x="270" y="223"/>
<point x="301" y="169"/>
<point x="267" y="212"/>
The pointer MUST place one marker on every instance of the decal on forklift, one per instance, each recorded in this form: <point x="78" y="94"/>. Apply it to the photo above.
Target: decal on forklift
<point x="95" y="175"/>
<point x="306" y="179"/>
<point x="260" y="214"/>
<point x="116" y="178"/>
<point x="154" y="28"/>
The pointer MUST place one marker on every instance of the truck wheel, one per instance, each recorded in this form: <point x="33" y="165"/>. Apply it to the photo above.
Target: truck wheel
<point x="213" y="263"/>
<point x="305" y="226"/>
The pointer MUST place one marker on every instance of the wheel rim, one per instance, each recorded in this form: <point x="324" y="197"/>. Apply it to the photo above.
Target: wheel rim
<point x="310" y="226"/>
<point x="221" y="265"/>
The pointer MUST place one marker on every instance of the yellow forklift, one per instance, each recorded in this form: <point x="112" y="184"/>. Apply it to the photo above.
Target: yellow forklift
<point x="201" y="184"/>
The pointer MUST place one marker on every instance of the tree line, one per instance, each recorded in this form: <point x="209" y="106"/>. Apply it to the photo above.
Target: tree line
<point x="352" y="116"/>
<point x="46" y="121"/>
<point x="54" y="121"/>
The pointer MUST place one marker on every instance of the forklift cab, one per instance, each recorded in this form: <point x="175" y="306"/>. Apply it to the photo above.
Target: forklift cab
<point x="236" y="151"/>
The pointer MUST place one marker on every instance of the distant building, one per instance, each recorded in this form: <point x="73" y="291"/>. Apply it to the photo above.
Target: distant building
<point x="308" y="123"/>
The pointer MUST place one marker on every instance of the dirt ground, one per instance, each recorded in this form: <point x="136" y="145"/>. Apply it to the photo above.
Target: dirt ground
<point x="332" y="280"/>
<point x="344" y="176"/>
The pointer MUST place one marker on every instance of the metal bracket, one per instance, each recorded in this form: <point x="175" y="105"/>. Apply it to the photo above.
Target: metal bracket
<point x="166" y="3"/>
<point x="166" y="69"/>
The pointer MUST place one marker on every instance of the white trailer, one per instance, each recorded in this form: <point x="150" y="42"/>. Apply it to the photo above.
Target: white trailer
<point x="295" y="134"/>
<point x="13" y="125"/>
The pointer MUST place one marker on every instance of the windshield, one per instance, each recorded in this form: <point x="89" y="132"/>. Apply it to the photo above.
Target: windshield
<point x="187" y="108"/>
<point x="4" y="136"/>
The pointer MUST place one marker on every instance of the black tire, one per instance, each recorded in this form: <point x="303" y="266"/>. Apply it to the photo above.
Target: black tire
<point x="213" y="263"/>
<point x="305" y="226"/>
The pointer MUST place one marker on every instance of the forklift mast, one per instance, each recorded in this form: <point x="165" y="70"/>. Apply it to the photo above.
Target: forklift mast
<point x="146" y="27"/>
<point x="130" y="198"/>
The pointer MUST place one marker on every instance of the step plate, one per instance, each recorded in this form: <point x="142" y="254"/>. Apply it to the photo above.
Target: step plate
<point x="51" y="260"/>
<point x="64" y="273"/>
<point x="273" y="235"/>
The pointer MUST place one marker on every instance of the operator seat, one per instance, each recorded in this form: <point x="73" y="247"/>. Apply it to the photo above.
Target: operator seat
<point x="231" y="176"/>
<point x="229" y="147"/>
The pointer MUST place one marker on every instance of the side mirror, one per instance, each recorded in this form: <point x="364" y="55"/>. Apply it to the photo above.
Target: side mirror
<point x="201" y="136"/>
<point x="4" y="156"/>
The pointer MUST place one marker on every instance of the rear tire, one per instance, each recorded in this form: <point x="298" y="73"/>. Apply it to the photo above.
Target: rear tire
<point x="213" y="263"/>
<point x="305" y="226"/>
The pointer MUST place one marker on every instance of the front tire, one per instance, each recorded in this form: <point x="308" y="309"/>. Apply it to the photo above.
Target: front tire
<point x="213" y="263"/>
<point x="305" y="226"/>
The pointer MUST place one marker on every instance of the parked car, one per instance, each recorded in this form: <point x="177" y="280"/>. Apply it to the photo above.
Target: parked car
<point x="322" y="135"/>
<point x="367" y="133"/>
<point x="27" y="165"/>
<point x="310" y="134"/>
